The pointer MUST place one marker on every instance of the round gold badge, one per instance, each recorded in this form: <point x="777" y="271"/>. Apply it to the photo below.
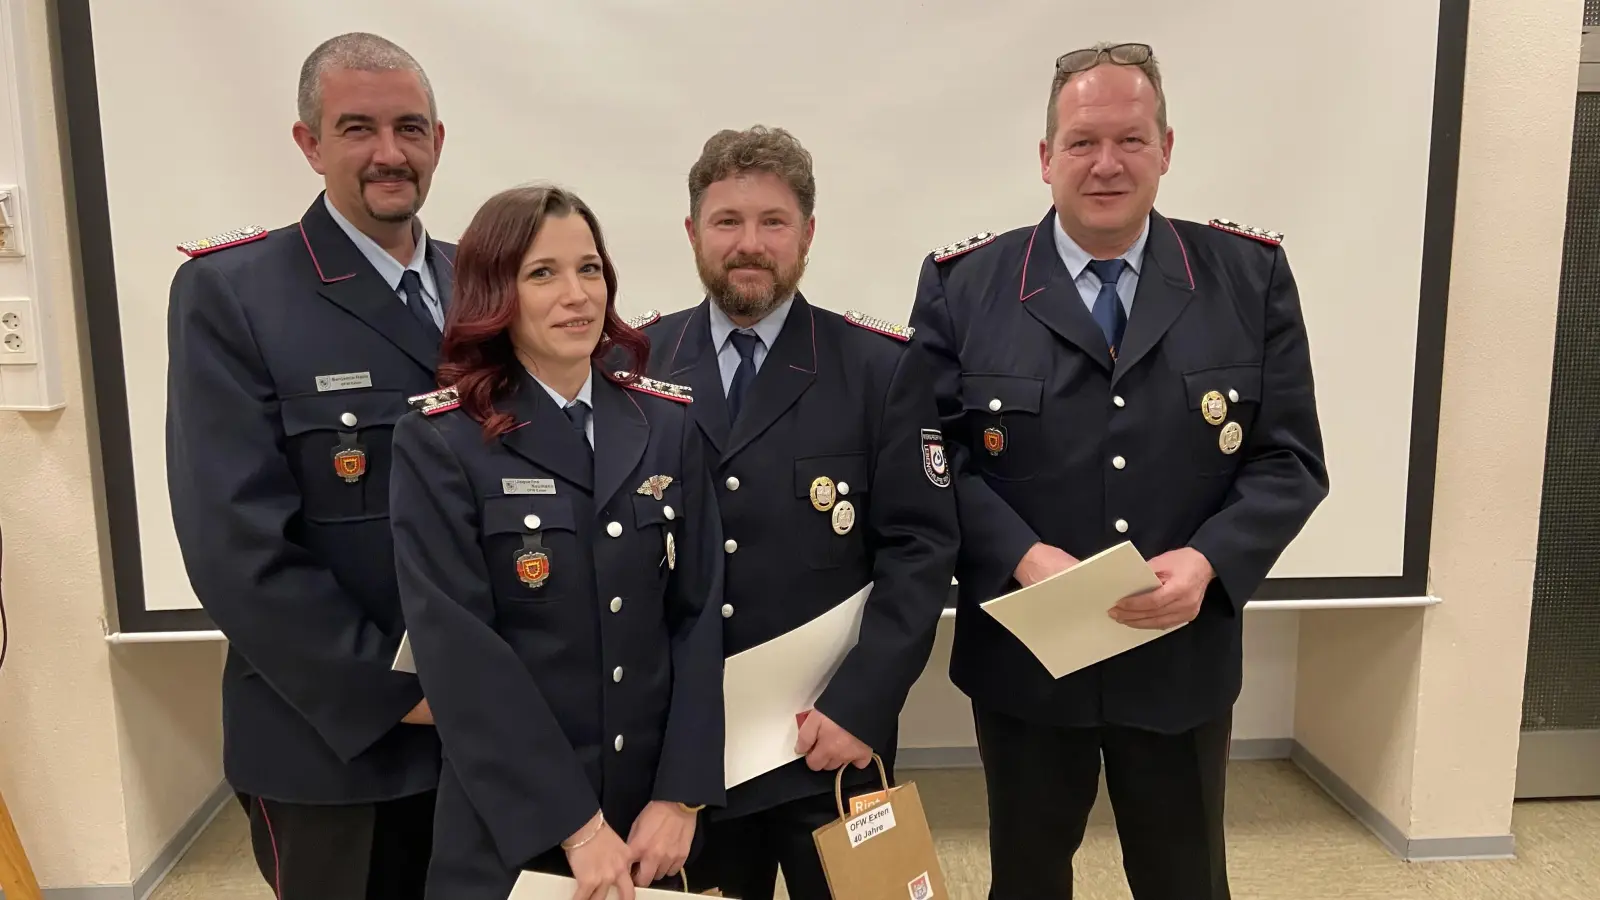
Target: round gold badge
<point x="1214" y="408"/>
<point x="844" y="517"/>
<point x="1231" y="437"/>
<point x="822" y="493"/>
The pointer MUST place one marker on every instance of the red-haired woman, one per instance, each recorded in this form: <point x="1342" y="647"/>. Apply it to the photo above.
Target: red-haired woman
<point x="558" y="553"/>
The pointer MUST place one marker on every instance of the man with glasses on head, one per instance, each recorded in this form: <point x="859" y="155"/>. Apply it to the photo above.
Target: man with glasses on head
<point x="1107" y="375"/>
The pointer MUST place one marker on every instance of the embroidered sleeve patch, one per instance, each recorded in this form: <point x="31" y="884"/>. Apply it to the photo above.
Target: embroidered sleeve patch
<point x="965" y="245"/>
<point x="222" y="241"/>
<point x="934" y="462"/>
<point x="881" y="326"/>
<point x="1249" y="231"/>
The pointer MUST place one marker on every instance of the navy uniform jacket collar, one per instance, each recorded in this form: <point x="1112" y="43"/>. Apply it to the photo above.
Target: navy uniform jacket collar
<point x="349" y="280"/>
<point x="1050" y="294"/>
<point x="544" y="435"/>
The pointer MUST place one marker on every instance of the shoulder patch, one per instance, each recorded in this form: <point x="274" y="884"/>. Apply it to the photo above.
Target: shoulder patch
<point x="222" y="241"/>
<point x="1249" y="231"/>
<point x="643" y="319"/>
<point x="881" y="326"/>
<point x="666" y="390"/>
<point x="435" y="402"/>
<point x="965" y="245"/>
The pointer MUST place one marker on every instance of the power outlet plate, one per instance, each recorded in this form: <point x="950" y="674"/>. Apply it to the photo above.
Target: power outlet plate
<point x="19" y="334"/>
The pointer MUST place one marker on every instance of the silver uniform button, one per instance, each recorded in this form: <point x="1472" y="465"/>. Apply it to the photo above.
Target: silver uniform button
<point x="730" y="545"/>
<point x="1233" y="396"/>
<point x="1118" y="401"/>
<point x="616" y="674"/>
<point x="994" y="405"/>
<point x="732" y="483"/>
<point x="667" y="511"/>
<point x="531" y="522"/>
<point x="844" y="488"/>
<point x="349" y="420"/>
<point x="614" y="529"/>
<point x="727" y="610"/>
<point x="617" y="743"/>
<point x="1118" y="462"/>
<point x="616" y="604"/>
<point x="1122" y="525"/>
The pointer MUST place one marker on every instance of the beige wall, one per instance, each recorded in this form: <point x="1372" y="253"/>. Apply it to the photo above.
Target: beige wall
<point x="1420" y="711"/>
<point x="104" y="753"/>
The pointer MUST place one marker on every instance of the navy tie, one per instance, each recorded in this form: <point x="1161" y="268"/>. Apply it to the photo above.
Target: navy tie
<point x="1108" y="311"/>
<point x="745" y="343"/>
<point x="578" y="414"/>
<point x="411" y="283"/>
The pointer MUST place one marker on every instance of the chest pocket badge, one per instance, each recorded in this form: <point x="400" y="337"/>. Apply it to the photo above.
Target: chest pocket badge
<point x="349" y="460"/>
<point x="533" y="563"/>
<point x="994" y="440"/>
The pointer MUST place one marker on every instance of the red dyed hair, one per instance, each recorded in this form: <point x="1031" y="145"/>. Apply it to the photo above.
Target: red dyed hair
<point x="476" y="356"/>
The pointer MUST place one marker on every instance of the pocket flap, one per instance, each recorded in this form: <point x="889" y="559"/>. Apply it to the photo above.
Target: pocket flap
<point x="1243" y="381"/>
<point x="1002" y="393"/>
<point x="326" y="412"/>
<point x="527" y="514"/>
<point x="850" y="468"/>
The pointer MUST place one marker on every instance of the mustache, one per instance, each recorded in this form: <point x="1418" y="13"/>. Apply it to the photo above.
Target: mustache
<point x="750" y="262"/>
<point x="388" y="173"/>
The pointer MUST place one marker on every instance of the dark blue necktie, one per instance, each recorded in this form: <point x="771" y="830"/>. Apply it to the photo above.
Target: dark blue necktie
<point x="411" y="283"/>
<point x="745" y="343"/>
<point x="578" y="414"/>
<point x="1108" y="311"/>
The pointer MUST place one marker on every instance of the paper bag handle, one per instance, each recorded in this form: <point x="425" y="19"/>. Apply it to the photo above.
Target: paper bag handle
<point x="838" y="782"/>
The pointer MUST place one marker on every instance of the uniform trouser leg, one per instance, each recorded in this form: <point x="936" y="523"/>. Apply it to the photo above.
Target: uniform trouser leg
<point x="742" y="856"/>
<point x="1166" y="792"/>
<point x="364" y="851"/>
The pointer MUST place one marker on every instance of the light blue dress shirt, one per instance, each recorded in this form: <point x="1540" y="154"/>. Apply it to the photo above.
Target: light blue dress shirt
<point x="727" y="355"/>
<point x="389" y="268"/>
<point x="585" y="396"/>
<point x="1077" y="262"/>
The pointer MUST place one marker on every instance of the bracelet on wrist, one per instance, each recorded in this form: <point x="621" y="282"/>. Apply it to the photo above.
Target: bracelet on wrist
<point x="573" y="845"/>
<point x="691" y="810"/>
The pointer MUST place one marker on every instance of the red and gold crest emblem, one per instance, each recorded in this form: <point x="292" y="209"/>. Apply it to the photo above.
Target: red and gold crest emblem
<point x="350" y="463"/>
<point x="533" y="567"/>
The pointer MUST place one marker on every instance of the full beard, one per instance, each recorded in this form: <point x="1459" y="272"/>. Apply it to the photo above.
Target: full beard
<point x="749" y="301"/>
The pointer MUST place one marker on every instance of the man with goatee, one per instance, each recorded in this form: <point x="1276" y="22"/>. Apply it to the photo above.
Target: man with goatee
<point x="830" y="471"/>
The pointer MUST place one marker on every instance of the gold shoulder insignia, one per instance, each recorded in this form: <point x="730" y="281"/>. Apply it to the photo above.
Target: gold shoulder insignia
<point x="965" y="245"/>
<point x="1249" y="231"/>
<point x="881" y="326"/>
<point x="643" y="319"/>
<point x="666" y="390"/>
<point x="435" y="402"/>
<point x="222" y="241"/>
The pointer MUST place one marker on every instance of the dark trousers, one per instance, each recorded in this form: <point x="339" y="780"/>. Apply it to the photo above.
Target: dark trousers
<point x="742" y="855"/>
<point x="1166" y="794"/>
<point x="366" y="851"/>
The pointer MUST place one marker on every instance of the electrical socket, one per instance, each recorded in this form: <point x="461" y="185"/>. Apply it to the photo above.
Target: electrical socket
<point x="19" y="338"/>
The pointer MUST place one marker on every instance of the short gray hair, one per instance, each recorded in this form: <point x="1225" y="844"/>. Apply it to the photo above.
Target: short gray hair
<point x="360" y="51"/>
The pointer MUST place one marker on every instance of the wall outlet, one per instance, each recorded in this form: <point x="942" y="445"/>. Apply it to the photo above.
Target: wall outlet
<point x="19" y="334"/>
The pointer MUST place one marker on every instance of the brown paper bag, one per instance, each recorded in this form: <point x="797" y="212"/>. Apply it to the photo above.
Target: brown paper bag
<point x="883" y="853"/>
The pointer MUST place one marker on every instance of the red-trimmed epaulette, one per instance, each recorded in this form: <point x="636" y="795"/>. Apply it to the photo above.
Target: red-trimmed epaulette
<point x="882" y="326"/>
<point x="1261" y="234"/>
<point x="666" y="390"/>
<point x="648" y="317"/>
<point x="965" y="245"/>
<point x="435" y="402"/>
<point x="222" y="241"/>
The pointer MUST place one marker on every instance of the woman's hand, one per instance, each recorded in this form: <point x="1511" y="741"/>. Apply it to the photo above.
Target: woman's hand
<point x="660" y="840"/>
<point x="601" y="862"/>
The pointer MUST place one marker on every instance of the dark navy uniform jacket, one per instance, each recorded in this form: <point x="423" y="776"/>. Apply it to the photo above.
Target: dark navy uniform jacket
<point x="589" y="680"/>
<point x="846" y="403"/>
<point x="287" y="350"/>
<point x="1054" y="442"/>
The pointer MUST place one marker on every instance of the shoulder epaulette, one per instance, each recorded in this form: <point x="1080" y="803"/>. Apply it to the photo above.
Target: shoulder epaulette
<point x="435" y="402"/>
<point x="644" y="318"/>
<point x="881" y="326"/>
<point x="222" y="241"/>
<point x="666" y="390"/>
<point x="1249" y="231"/>
<point x="965" y="245"/>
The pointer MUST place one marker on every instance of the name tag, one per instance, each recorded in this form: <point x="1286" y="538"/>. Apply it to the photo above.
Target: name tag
<point x="345" y="382"/>
<point x="870" y="824"/>
<point x="528" y="485"/>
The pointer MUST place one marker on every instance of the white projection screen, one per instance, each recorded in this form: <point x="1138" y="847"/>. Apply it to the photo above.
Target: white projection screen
<point x="1335" y="123"/>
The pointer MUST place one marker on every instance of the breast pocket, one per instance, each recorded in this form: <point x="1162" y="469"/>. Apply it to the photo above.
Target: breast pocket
<point x="831" y="494"/>
<point x="530" y="544"/>
<point x="1222" y="403"/>
<point x="1007" y="430"/>
<point x="659" y="524"/>
<point x="339" y="448"/>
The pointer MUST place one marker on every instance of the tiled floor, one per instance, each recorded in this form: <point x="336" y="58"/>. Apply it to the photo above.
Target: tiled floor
<point x="1286" y="840"/>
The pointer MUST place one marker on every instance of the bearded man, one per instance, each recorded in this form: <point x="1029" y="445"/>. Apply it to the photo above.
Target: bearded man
<point x="830" y="471"/>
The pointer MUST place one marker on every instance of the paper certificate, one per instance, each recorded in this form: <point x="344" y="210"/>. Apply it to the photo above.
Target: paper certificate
<point x="539" y="886"/>
<point x="1063" y="620"/>
<point x="765" y="687"/>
